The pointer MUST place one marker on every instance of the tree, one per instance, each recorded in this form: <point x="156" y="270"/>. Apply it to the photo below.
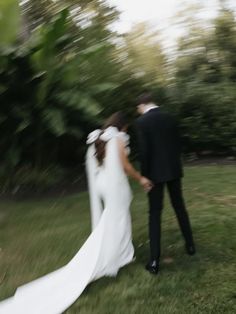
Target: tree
<point x="143" y="55"/>
<point x="205" y="74"/>
<point x="47" y="92"/>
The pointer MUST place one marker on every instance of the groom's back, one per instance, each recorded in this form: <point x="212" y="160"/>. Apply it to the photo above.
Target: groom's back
<point x="162" y="145"/>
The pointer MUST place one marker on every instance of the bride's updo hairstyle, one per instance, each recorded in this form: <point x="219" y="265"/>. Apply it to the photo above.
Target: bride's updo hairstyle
<point x="117" y="120"/>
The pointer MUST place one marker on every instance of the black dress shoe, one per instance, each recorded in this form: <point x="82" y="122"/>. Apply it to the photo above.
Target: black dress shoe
<point x="190" y="249"/>
<point x="153" y="267"/>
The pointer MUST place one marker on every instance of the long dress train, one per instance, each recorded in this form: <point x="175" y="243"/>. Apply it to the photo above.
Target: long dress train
<point x="107" y="249"/>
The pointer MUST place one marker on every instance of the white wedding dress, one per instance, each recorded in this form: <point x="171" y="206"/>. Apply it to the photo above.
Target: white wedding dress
<point x="108" y="248"/>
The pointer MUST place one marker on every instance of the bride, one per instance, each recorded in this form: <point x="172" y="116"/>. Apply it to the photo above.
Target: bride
<point x="109" y="247"/>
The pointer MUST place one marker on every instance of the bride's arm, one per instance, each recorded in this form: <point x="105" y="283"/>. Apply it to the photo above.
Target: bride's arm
<point x="130" y="170"/>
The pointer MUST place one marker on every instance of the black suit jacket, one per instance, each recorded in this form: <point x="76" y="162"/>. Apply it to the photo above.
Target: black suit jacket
<point x="159" y="146"/>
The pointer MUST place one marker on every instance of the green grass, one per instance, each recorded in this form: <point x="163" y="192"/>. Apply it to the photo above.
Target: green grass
<point x="37" y="237"/>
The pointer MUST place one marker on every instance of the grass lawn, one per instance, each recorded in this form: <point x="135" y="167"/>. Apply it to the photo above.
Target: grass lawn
<point x="37" y="237"/>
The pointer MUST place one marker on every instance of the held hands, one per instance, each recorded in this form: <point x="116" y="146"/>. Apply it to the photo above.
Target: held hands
<point x="146" y="184"/>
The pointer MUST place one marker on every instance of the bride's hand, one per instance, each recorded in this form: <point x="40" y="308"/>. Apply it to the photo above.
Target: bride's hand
<point x="146" y="184"/>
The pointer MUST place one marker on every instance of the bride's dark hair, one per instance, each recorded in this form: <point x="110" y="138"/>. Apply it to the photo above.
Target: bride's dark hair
<point x="117" y="120"/>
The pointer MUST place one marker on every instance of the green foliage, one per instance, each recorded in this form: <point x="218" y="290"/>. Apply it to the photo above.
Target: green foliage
<point x="47" y="92"/>
<point x="144" y="55"/>
<point x="67" y="71"/>
<point x="9" y="21"/>
<point x="204" y="88"/>
<point x="208" y="118"/>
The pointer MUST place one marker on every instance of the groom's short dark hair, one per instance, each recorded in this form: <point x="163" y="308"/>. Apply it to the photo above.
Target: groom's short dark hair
<point x="145" y="98"/>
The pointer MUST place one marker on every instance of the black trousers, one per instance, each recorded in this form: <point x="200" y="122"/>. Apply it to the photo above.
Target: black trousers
<point x="156" y="196"/>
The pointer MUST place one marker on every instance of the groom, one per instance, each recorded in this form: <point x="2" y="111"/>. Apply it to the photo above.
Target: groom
<point x="160" y="155"/>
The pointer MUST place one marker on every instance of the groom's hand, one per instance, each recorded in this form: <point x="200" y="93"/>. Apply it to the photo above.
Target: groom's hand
<point x="146" y="184"/>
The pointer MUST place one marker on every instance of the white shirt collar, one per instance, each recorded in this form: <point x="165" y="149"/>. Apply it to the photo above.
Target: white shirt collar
<point x="149" y="107"/>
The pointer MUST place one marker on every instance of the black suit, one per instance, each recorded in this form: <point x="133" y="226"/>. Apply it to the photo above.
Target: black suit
<point x="160" y="154"/>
